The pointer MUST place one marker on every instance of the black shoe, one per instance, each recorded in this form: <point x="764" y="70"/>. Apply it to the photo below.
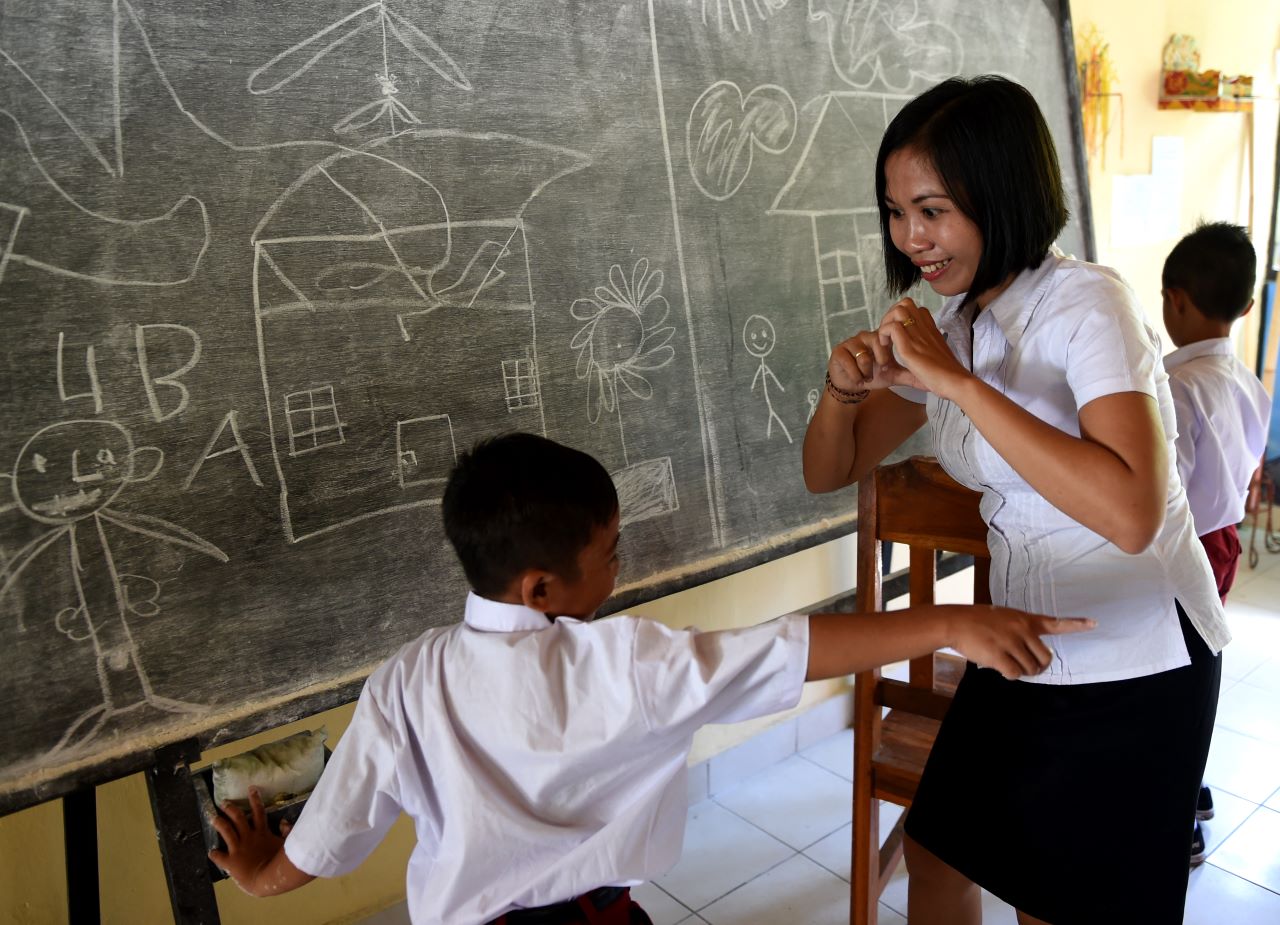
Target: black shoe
<point x="1197" y="846"/>
<point x="1204" y="804"/>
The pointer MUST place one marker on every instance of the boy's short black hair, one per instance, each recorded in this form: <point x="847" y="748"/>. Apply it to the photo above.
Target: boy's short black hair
<point x="521" y="501"/>
<point x="1216" y="267"/>
<point x="990" y="146"/>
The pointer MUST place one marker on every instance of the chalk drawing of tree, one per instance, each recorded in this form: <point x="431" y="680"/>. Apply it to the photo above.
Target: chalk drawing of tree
<point x="624" y="336"/>
<point x="68" y="476"/>
<point x="378" y="17"/>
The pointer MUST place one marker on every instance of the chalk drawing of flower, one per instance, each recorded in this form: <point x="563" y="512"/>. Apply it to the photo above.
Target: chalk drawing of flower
<point x="623" y="336"/>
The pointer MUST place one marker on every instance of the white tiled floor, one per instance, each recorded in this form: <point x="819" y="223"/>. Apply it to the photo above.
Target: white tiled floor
<point x="774" y="849"/>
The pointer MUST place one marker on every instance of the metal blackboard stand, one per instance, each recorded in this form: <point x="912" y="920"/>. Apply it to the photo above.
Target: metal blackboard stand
<point x="176" y="812"/>
<point x="80" y="836"/>
<point x="175" y="807"/>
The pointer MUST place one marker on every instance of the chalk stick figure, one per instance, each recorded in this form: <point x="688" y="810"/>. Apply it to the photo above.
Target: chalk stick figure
<point x="759" y="337"/>
<point x="68" y="476"/>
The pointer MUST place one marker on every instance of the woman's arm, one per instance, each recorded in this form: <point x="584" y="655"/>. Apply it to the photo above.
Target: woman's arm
<point x="846" y="440"/>
<point x="1112" y="478"/>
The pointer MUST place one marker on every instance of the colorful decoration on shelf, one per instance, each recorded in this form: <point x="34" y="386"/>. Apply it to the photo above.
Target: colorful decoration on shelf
<point x="1184" y="86"/>
<point x="1181" y="53"/>
<point x="1239" y="87"/>
<point x="1097" y="74"/>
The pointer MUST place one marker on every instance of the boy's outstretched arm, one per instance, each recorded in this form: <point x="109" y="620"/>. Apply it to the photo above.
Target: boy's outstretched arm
<point x="255" y="857"/>
<point x="994" y="637"/>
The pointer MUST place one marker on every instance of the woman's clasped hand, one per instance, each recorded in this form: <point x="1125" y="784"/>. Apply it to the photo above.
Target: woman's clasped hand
<point x="907" y="349"/>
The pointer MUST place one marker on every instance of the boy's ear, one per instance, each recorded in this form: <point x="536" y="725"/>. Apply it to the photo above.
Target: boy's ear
<point x="536" y="589"/>
<point x="1248" y="308"/>
<point x="1179" y="300"/>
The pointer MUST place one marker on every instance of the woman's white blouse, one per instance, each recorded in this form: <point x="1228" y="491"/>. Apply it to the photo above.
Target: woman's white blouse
<point x="1059" y="337"/>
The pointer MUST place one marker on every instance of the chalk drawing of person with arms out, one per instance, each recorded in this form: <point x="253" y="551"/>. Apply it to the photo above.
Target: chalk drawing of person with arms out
<point x="68" y="476"/>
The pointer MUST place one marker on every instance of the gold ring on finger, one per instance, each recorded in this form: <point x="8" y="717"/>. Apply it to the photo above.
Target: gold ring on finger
<point x="860" y="353"/>
<point x="908" y="321"/>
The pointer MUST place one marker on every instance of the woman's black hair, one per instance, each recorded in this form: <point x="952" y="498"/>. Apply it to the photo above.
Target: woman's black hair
<point x="521" y="501"/>
<point x="990" y="146"/>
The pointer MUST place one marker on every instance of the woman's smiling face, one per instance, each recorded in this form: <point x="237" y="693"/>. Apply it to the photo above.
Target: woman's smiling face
<point x="927" y="225"/>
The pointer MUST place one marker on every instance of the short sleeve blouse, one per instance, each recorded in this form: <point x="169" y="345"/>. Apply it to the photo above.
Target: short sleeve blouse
<point x="1059" y="337"/>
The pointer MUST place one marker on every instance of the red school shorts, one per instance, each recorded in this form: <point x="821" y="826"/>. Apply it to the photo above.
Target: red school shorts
<point x="1223" y="547"/>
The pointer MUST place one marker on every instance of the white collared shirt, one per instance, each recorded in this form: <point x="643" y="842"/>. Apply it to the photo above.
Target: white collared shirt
<point x="1223" y="412"/>
<point x="538" y="760"/>
<point x="1057" y="338"/>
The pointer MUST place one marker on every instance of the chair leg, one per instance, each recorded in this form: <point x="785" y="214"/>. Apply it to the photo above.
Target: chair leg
<point x="890" y="855"/>
<point x="865" y="882"/>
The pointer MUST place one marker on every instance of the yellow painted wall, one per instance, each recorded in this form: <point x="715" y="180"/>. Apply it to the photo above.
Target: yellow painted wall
<point x="1234" y="35"/>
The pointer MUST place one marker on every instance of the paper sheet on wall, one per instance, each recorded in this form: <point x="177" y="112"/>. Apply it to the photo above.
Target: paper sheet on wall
<point x="1147" y="208"/>
<point x="1168" y="157"/>
<point x="1132" y="198"/>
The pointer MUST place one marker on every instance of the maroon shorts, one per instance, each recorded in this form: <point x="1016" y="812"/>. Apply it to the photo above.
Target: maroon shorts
<point x="605" y="906"/>
<point x="1223" y="547"/>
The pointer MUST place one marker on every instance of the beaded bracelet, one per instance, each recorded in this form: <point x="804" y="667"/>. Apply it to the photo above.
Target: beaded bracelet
<point x="844" y="396"/>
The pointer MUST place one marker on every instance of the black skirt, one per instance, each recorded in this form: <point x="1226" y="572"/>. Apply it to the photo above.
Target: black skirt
<point x="1073" y="803"/>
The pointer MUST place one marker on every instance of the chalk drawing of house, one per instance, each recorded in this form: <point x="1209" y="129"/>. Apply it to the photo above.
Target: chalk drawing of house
<point x="833" y="186"/>
<point x="396" y="318"/>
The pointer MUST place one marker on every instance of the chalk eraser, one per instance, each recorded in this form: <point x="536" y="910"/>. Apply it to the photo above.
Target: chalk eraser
<point x="280" y="770"/>
<point x="283" y="808"/>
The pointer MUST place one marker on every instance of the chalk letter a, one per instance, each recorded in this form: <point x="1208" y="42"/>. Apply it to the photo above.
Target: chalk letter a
<point x="228" y="421"/>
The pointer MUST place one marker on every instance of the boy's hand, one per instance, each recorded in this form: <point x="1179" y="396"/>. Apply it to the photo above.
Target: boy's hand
<point x="1009" y="640"/>
<point x="255" y="857"/>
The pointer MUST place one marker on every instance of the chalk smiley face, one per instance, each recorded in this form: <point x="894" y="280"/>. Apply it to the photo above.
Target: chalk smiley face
<point x="758" y="336"/>
<point x="72" y="470"/>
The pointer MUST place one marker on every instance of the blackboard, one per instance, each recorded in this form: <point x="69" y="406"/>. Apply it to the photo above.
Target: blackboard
<point x="266" y="268"/>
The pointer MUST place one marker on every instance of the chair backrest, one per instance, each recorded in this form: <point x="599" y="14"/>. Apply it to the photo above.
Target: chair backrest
<point x="915" y="502"/>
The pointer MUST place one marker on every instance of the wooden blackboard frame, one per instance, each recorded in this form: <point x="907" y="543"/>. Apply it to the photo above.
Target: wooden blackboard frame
<point x="1079" y="153"/>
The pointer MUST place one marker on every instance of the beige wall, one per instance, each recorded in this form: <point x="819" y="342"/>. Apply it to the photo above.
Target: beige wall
<point x="1234" y="35"/>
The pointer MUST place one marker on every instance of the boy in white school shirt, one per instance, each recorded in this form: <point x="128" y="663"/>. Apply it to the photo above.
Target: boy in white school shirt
<point x="1222" y="409"/>
<point x="542" y="755"/>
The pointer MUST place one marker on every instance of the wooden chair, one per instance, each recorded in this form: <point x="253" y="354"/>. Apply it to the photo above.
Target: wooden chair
<point x="915" y="503"/>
